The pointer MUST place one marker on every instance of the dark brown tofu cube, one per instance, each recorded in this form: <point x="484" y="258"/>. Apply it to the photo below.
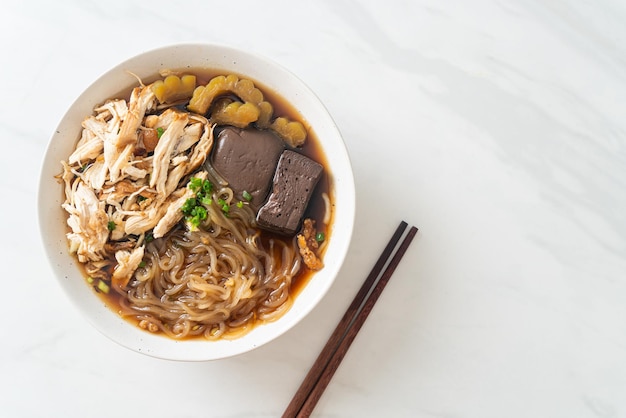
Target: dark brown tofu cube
<point x="247" y="159"/>
<point x="294" y="181"/>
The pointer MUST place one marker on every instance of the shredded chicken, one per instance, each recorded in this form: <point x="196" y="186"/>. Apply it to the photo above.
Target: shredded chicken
<point x="88" y="221"/>
<point x="173" y="213"/>
<point x="96" y="174"/>
<point x="164" y="149"/>
<point x="141" y="100"/>
<point x="90" y="147"/>
<point x="115" y="192"/>
<point x="127" y="263"/>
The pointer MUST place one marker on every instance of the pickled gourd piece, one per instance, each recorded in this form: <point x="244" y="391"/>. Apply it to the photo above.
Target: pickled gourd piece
<point x="235" y="113"/>
<point x="292" y="132"/>
<point x="173" y="88"/>
<point x="246" y="90"/>
<point x="265" y="117"/>
<point x="204" y="96"/>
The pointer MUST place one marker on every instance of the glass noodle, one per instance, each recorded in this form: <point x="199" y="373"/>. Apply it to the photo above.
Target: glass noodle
<point x="217" y="280"/>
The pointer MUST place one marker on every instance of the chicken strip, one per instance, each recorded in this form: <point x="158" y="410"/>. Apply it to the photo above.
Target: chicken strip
<point x="163" y="152"/>
<point x="173" y="213"/>
<point x="141" y="99"/>
<point x="127" y="263"/>
<point x="89" y="223"/>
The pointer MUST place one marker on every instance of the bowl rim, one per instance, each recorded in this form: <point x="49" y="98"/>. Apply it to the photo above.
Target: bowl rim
<point x="63" y="265"/>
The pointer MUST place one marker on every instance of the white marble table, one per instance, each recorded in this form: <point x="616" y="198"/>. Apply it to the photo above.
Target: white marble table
<point x="497" y="127"/>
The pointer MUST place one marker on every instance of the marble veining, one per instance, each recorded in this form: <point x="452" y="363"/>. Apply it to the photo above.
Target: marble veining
<point x="496" y="126"/>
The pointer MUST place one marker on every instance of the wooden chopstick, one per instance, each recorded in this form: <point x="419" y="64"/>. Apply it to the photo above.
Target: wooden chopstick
<point x="330" y="357"/>
<point x="351" y="333"/>
<point x="333" y="342"/>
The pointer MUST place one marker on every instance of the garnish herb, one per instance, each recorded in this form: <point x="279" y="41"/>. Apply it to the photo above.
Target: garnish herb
<point x="319" y="237"/>
<point x="224" y="205"/>
<point x="194" y="208"/>
<point x="247" y="195"/>
<point x="111" y="226"/>
<point x="103" y="287"/>
<point x="188" y="206"/>
<point x="159" y="132"/>
<point x="202" y="188"/>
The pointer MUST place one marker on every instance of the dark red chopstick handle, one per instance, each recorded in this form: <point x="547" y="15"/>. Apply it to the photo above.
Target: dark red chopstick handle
<point x="346" y="324"/>
<point x="340" y="330"/>
<point x="345" y="343"/>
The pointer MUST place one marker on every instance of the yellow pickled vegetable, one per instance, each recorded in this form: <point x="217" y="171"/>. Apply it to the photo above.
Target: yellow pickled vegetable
<point x="203" y="96"/>
<point x="173" y="88"/>
<point x="266" y="114"/>
<point x="253" y="109"/>
<point x="235" y="113"/>
<point x="292" y="132"/>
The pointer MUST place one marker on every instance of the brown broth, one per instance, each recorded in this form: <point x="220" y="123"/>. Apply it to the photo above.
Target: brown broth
<point x="312" y="149"/>
<point x="315" y="209"/>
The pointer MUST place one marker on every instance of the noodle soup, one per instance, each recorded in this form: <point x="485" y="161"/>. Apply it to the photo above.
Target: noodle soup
<point x="164" y="237"/>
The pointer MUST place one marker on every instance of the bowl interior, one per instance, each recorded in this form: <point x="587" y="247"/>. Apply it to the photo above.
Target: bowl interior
<point x="52" y="218"/>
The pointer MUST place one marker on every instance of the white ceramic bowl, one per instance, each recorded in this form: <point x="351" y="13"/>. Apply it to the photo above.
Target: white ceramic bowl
<point x="52" y="218"/>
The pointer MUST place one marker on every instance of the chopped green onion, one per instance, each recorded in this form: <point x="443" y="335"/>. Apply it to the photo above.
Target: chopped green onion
<point x="159" y="132"/>
<point x="103" y="287"/>
<point x="188" y="206"/>
<point x="247" y="195"/>
<point x="199" y="212"/>
<point x="111" y="225"/>
<point x="195" y="184"/>
<point x="207" y="187"/>
<point x="319" y="237"/>
<point x="196" y="215"/>
<point x="224" y="205"/>
<point x="240" y="204"/>
<point x="142" y="263"/>
<point x="141" y="198"/>
<point x="194" y="208"/>
<point x="200" y="187"/>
